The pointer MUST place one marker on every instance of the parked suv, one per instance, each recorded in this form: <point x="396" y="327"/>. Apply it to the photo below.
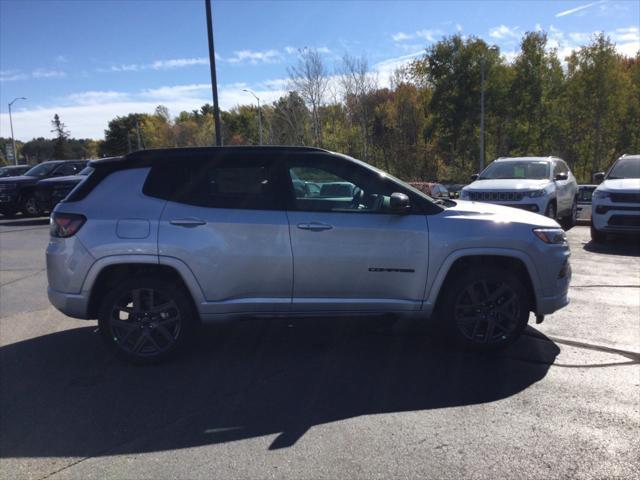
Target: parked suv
<point x="50" y="191"/>
<point x="155" y="242"/>
<point x="17" y="194"/>
<point x="616" y="201"/>
<point x="13" y="170"/>
<point x="538" y="184"/>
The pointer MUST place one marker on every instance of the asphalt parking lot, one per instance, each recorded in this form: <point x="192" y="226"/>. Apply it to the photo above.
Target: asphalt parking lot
<point x="351" y="398"/>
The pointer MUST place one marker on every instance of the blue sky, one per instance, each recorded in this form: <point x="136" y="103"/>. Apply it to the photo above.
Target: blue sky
<point x="90" y="61"/>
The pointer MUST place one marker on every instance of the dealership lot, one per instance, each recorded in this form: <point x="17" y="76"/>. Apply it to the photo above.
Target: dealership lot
<point x="356" y="398"/>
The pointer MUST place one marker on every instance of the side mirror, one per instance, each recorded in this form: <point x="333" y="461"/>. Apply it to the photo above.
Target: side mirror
<point x="562" y="176"/>
<point x="598" y="177"/>
<point x="474" y="177"/>
<point x="399" y="203"/>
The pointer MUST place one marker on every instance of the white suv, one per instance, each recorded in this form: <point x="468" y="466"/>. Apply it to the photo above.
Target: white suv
<point x="538" y="184"/>
<point x="616" y="201"/>
<point x="154" y="243"/>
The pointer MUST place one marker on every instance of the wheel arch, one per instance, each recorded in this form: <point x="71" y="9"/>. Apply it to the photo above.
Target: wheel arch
<point x="461" y="260"/>
<point x="101" y="279"/>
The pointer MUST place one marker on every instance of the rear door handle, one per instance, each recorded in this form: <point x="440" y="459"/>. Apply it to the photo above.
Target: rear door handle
<point x="314" y="226"/>
<point x="187" y="222"/>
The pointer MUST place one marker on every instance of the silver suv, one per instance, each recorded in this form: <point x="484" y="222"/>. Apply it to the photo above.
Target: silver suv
<point x="153" y="243"/>
<point x="539" y="184"/>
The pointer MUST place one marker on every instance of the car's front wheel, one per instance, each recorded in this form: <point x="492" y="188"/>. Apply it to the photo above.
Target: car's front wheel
<point x="485" y="309"/>
<point x="570" y="220"/>
<point x="597" y="236"/>
<point x="551" y="211"/>
<point x="146" y="320"/>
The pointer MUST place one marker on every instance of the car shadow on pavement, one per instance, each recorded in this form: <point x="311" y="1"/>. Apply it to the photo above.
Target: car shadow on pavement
<point x="24" y="222"/>
<point x="63" y="395"/>
<point x="627" y="246"/>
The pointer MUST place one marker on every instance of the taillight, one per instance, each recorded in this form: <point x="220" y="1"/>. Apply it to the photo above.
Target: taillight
<point x="65" y="225"/>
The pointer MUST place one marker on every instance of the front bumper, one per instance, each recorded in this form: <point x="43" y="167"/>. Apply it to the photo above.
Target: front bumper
<point x="615" y="217"/>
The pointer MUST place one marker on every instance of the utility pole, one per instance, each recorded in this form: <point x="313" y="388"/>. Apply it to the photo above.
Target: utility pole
<point x="481" y="115"/>
<point x="248" y="90"/>
<point x="138" y="135"/>
<point x="13" y="140"/>
<point x="214" y="81"/>
<point x="482" y="75"/>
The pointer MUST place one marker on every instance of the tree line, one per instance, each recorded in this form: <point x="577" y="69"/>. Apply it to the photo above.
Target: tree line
<point x="426" y="123"/>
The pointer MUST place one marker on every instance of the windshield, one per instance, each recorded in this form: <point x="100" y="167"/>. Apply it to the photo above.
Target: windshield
<point x="41" y="170"/>
<point x="625" y="168"/>
<point x="533" y="170"/>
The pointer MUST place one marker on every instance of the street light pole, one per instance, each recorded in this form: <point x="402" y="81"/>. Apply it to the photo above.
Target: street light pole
<point x="214" y="80"/>
<point x="13" y="140"/>
<point x="259" y="112"/>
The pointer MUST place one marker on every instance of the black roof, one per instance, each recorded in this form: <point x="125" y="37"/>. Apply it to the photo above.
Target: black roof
<point x="144" y="157"/>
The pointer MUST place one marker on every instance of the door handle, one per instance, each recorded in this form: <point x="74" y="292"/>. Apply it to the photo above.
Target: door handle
<point x="314" y="226"/>
<point x="187" y="222"/>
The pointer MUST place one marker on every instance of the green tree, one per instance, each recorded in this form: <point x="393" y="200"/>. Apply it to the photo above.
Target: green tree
<point x="61" y="150"/>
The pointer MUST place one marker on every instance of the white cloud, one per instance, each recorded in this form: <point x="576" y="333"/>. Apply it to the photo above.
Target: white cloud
<point x="94" y="97"/>
<point x="577" y="9"/>
<point x="255" y="57"/>
<point x="503" y="32"/>
<point x="401" y="36"/>
<point x="431" y="35"/>
<point x="38" y="73"/>
<point x="290" y="50"/>
<point x="169" y="64"/>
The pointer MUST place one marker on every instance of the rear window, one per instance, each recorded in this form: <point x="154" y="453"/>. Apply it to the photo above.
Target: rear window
<point x="238" y="184"/>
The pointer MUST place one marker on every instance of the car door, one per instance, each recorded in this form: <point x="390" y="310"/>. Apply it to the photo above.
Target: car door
<point x="227" y="225"/>
<point x="351" y="253"/>
<point x="564" y="194"/>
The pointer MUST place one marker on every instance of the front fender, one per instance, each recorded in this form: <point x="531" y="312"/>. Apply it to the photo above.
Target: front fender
<point x="434" y="285"/>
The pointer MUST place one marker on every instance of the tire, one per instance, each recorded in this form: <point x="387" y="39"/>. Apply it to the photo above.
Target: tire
<point x="571" y="220"/>
<point x="157" y="328"/>
<point x="597" y="236"/>
<point x="30" y="207"/>
<point x="551" y="211"/>
<point x="484" y="309"/>
<point x="9" y="213"/>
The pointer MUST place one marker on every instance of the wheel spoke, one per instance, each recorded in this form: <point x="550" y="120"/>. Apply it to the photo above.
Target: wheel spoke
<point x="165" y="333"/>
<point x="140" y="343"/>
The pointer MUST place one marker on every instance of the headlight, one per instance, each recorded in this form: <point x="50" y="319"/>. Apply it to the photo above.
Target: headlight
<point x="599" y="194"/>
<point x="464" y="195"/>
<point x="536" y="193"/>
<point x="554" y="236"/>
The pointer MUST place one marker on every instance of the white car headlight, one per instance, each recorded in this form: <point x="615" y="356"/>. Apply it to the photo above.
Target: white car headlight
<point x="553" y="236"/>
<point x="599" y="194"/>
<point x="536" y="193"/>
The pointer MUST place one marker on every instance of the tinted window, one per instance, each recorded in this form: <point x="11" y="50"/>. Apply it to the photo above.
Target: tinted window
<point x="625" y="168"/>
<point x="505" y="169"/>
<point x="585" y="194"/>
<point x="41" y="170"/>
<point x="561" y="167"/>
<point x="67" y="169"/>
<point x="216" y="184"/>
<point x="338" y="187"/>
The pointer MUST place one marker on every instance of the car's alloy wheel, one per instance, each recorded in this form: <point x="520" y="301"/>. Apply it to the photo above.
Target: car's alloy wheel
<point x="487" y="312"/>
<point x="145" y="320"/>
<point x="145" y="323"/>
<point x="31" y="207"/>
<point x="550" y="211"/>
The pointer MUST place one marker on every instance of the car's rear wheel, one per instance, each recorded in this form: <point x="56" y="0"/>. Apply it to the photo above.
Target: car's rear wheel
<point x="598" y="236"/>
<point x="30" y="207"/>
<point x="146" y="320"/>
<point x="485" y="309"/>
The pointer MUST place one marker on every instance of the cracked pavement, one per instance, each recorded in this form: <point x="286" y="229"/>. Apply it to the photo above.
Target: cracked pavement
<point x="356" y="398"/>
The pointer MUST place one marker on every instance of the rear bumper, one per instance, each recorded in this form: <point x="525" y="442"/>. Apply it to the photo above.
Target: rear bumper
<point x="71" y="304"/>
<point x="548" y="305"/>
